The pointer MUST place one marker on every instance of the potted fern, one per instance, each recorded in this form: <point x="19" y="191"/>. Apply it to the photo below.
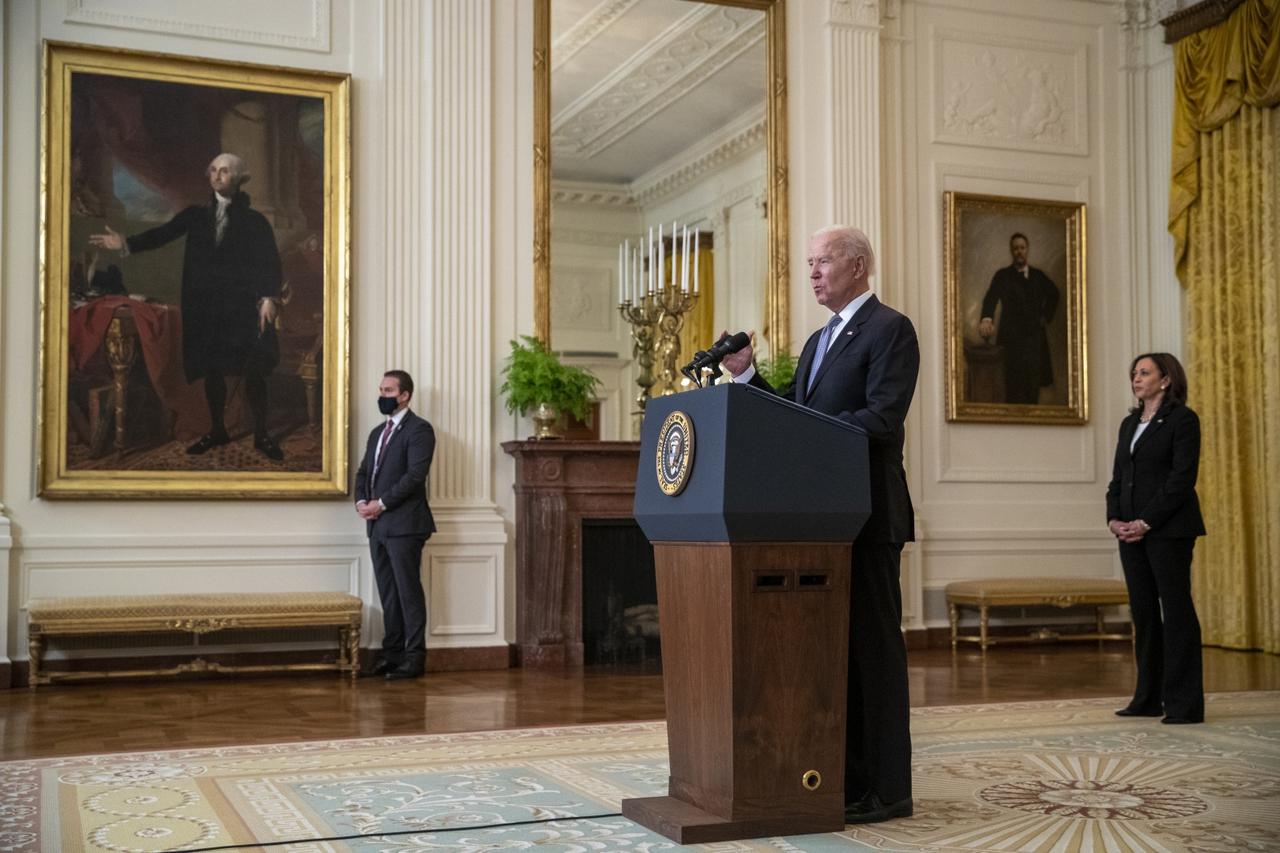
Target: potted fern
<point x="777" y="371"/>
<point x="535" y="381"/>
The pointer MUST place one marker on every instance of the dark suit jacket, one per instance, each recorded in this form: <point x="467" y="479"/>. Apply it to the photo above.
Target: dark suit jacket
<point x="1026" y="307"/>
<point x="402" y="478"/>
<point x="221" y="286"/>
<point x="868" y="378"/>
<point x="1157" y="481"/>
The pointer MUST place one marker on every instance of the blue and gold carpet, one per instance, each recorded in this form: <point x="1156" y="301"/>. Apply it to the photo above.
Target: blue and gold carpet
<point x="1051" y="776"/>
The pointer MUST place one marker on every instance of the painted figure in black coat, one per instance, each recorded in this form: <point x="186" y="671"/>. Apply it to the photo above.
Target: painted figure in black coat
<point x="1028" y="301"/>
<point x="391" y="496"/>
<point x="862" y="368"/>
<point x="230" y="291"/>
<point x="1153" y="511"/>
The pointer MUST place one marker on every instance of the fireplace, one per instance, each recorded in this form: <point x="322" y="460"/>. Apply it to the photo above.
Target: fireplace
<point x="559" y="486"/>
<point x="619" y="595"/>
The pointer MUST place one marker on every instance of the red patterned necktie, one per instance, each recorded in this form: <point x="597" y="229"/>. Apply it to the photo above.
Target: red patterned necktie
<point x="382" y="446"/>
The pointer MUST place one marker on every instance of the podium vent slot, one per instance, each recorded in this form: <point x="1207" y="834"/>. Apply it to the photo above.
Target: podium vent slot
<point x="814" y="581"/>
<point x="772" y="581"/>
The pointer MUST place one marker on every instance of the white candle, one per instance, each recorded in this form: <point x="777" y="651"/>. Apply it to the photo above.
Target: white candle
<point x="622" y="271"/>
<point x="684" y="260"/>
<point x="696" y="241"/>
<point x="635" y="273"/>
<point x="662" y="260"/>
<point x="649" y="259"/>
<point x="626" y="269"/>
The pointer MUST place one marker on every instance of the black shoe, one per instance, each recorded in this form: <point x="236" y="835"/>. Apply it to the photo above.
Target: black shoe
<point x="1180" y="721"/>
<point x="380" y="667"/>
<point x="406" y="670"/>
<point x="1137" y="712"/>
<point x="870" y="809"/>
<point x="269" y="448"/>
<point x="210" y="441"/>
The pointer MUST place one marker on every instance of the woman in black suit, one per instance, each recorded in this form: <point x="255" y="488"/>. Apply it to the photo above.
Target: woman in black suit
<point x="1153" y="511"/>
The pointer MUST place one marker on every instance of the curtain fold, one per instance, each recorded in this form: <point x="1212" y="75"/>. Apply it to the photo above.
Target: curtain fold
<point x="1224" y="217"/>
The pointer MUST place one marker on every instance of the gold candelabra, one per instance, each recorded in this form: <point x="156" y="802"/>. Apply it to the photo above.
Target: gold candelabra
<point x="643" y="319"/>
<point x="674" y="305"/>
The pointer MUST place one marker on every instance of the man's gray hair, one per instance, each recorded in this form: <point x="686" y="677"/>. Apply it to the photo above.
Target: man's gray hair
<point x="239" y="171"/>
<point x="852" y="243"/>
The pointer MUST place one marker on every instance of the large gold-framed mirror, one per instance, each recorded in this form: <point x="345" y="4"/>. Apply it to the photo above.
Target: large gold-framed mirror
<point x="649" y="111"/>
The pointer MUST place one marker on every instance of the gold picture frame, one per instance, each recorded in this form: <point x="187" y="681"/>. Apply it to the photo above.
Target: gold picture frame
<point x="165" y="312"/>
<point x="1029" y="364"/>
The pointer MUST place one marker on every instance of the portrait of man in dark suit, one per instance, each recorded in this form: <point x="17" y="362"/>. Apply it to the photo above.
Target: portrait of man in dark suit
<point x="1027" y="300"/>
<point x="861" y="367"/>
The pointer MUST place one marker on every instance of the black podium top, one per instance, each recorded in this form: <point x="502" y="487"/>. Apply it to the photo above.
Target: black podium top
<point x="762" y="469"/>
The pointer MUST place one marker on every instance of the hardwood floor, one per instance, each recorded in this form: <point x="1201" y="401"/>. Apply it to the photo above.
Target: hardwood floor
<point x="166" y="714"/>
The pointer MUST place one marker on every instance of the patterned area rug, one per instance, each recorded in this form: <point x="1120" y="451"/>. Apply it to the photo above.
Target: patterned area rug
<point x="1051" y="776"/>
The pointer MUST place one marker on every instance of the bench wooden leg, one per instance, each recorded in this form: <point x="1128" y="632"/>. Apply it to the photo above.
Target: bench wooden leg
<point x="351" y="641"/>
<point x="35" y="650"/>
<point x="953" y="613"/>
<point x="1099" y="621"/>
<point x="983" y="621"/>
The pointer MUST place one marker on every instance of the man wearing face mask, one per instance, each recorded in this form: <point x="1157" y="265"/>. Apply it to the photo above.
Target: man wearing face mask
<point x="391" y="496"/>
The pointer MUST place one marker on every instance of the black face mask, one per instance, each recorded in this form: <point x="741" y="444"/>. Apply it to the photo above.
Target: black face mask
<point x="387" y="405"/>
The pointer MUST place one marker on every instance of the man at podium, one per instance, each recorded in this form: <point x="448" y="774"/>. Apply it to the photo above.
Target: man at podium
<point x="861" y="368"/>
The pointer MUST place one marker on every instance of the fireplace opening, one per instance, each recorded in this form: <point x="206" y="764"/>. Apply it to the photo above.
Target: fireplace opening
<point x="619" y="595"/>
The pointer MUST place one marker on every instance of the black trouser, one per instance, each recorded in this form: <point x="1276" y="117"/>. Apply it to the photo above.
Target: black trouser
<point x="1166" y="629"/>
<point x="877" y="752"/>
<point x="255" y="389"/>
<point x="397" y="569"/>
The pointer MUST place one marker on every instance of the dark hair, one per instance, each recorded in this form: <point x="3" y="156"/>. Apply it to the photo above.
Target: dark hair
<point x="1170" y="368"/>
<point x="1016" y="235"/>
<point x="403" y="378"/>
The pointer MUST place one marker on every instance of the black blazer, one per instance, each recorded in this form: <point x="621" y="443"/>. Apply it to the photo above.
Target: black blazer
<point x="402" y="478"/>
<point x="1156" y="482"/>
<point x="868" y="378"/>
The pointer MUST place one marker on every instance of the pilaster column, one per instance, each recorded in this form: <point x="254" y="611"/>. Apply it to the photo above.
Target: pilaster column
<point x="437" y="206"/>
<point x="1148" y="80"/>
<point x="853" y="46"/>
<point x="458" y="264"/>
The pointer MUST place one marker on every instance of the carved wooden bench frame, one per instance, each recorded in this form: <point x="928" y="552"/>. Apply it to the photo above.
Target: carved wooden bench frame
<point x="198" y="615"/>
<point x="1034" y="592"/>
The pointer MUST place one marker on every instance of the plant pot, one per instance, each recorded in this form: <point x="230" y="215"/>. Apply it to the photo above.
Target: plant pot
<point x="544" y="418"/>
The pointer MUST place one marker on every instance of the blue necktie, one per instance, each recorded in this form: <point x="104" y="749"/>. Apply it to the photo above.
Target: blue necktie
<point x="824" y="343"/>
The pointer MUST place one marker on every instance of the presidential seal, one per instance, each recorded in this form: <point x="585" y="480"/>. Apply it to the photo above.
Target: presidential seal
<point x="675" y="453"/>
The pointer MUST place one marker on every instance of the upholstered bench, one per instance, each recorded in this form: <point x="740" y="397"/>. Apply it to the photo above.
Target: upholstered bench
<point x="1034" y="592"/>
<point x="197" y="614"/>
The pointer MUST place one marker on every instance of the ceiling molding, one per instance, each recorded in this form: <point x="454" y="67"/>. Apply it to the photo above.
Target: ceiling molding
<point x="584" y="31"/>
<point x="733" y="143"/>
<point x="684" y="56"/>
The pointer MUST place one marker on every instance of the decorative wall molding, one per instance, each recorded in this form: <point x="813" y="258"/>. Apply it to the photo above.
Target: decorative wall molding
<point x="676" y="62"/>
<point x="856" y="123"/>
<point x="462" y="594"/>
<point x="305" y="23"/>
<point x="1009" y="92"/>
<point x="857" y="13"/>
<point x="736" y="142"/>
<point x="581" y="297"/>
<point x="732" y="144"/>
<point x="591" y="193"/>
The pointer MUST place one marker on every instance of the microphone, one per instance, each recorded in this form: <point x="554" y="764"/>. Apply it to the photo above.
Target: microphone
<point x="725" y="346"/>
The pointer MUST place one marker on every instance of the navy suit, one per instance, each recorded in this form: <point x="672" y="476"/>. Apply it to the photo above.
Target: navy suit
<point x="1156" y="482"/>
<point x="397" y="537"/>
<point x="868" y="378"/>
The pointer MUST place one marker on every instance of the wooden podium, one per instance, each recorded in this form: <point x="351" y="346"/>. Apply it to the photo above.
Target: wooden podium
<point x="751" y="503"/>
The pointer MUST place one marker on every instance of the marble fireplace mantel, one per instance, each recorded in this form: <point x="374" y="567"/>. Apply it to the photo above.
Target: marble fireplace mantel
<point x="557" y="485"/>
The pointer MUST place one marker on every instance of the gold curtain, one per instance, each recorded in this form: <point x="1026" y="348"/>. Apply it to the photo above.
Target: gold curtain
<point x="1224" y="217"/>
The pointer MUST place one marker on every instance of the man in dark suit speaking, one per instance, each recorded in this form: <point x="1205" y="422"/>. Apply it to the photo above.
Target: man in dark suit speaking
<point x="861" y="367"/>
<point x="391" y="496"/>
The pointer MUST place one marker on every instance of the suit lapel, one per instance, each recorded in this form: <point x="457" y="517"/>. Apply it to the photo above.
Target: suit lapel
<point x="1154" y="425"/>
<point x="846" y="337"/>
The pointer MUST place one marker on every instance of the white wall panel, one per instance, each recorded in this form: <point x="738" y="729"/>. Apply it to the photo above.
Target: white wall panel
<point x="295" y="24"/>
